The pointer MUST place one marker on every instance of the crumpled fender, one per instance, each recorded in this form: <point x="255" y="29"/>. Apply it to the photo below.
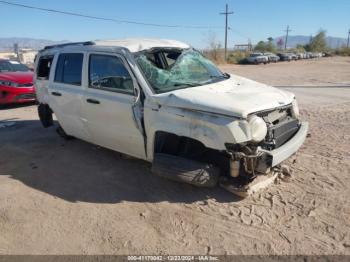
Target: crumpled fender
<point x="210" y="129"/>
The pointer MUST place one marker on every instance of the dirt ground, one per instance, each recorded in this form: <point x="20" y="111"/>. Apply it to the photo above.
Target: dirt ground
<point x="72" y="197"/>
<point x="331" y="71"/>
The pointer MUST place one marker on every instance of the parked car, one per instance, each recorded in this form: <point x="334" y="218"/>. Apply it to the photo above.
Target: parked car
<point x="293" y="56"/>
<point x="285" y="56"/>
<point x="16" y="83"/>
<point x="308" y="55"/>
<point x="299" y="55"/>
<point x="272" y="57"/>
<point x="164" y="102"/>
<point x="257" y="58"/>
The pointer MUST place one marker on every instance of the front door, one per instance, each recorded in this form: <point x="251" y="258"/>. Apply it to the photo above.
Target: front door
<point x="109" y="105"/>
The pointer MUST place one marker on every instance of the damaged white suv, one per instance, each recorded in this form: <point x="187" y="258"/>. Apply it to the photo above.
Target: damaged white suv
<point x="164" y="102"/>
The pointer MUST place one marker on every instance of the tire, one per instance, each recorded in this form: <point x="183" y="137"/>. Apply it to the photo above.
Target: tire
<point x="185" y="170"/>
<point x="45" y="115"/>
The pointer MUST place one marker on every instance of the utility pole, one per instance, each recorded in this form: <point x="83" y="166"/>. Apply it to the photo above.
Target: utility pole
<point x="348" y="39"/>
<point x="226" y="13"/>
<point x="285" y="42"/>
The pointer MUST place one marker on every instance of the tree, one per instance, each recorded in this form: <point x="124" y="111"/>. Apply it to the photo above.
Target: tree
<point x="215" y="47"/>
<point x="318" y="43"/>
<point x="261" y="46"/>
<point x="270" y="46"/>
<point x="265" y="46"/>
<point x="300" y="48"/>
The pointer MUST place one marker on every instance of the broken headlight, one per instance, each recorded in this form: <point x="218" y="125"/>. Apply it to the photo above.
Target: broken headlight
<point x="258" y="128"/>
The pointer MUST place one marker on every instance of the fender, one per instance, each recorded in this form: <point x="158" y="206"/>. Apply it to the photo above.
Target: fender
<point x="211" y="130"/>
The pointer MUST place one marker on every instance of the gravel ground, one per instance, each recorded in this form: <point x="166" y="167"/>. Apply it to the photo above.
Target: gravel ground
<point x="72" y="197"/>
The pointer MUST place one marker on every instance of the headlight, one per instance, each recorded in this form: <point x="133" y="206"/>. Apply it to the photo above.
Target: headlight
<point x="258" y="128"/>
<point x="8" y="83"/>
<point x="295" y="108"/>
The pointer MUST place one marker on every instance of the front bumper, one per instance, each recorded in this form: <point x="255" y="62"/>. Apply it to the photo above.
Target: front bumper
<point x="289" y="148"/>
<point x="9" y="95"/>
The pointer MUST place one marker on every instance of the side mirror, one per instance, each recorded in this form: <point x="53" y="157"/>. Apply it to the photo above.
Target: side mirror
<point x="226" y="75"/>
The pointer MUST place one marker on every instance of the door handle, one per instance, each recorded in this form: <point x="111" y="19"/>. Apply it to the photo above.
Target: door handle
<point x="56" y="93"/>
<point x="92" y="101"/>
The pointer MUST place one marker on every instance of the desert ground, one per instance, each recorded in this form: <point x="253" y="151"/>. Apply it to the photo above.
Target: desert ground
<point x="72" y="197"/>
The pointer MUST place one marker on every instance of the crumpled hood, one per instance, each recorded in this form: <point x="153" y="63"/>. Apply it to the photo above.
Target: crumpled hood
<point x="18" y="77"/>
<point x="236" y="96"/>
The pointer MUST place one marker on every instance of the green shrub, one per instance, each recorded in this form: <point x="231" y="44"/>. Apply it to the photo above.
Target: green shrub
<point x="343" y="51"/>
<point x="237" y="57"/>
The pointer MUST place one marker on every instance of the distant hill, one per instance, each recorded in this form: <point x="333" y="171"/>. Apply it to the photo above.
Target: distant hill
<point x="6" y="44"/>
<point x="294" y="40"/>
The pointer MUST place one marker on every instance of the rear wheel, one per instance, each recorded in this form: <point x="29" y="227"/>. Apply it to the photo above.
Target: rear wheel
<point x="45" y="115"/>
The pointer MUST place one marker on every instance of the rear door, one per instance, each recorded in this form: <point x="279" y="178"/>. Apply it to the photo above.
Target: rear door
<point x="109" y="105"/>
<point x="66" y="93"/>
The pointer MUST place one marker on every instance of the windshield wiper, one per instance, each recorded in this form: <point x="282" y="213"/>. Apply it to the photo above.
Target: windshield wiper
<point x="185" y="84"/>
<point x="226" y="76"/>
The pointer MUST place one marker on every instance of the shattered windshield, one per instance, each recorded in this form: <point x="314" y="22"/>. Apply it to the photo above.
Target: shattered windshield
<point x="168" y="70"/>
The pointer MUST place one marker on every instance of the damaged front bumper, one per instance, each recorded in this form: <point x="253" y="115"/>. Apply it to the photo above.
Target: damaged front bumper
<point x="258" y="165"/>
<point x="289" y="148"/>
<point x="257" y="160"/>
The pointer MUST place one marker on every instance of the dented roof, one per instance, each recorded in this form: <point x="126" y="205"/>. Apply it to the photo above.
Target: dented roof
<point x="140" y="44"/>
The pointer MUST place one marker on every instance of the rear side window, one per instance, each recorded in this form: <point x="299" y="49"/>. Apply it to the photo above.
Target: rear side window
<point x="109" y="73"/>
<point x="69" y="69"/>
<point x="44" y="66"/>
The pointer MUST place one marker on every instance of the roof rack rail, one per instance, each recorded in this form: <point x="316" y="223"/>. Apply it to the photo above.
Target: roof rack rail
<point x="68" y="44"/>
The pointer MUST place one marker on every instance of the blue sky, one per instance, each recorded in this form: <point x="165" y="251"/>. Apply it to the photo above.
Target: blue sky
<point x="252" y="19"/>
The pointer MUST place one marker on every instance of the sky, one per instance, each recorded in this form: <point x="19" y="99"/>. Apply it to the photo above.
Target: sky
<point x="254" y="19"/>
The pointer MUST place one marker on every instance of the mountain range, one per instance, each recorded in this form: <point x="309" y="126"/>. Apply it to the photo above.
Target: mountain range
<point x="294" y="40"/>
<point x="7" y="44"/>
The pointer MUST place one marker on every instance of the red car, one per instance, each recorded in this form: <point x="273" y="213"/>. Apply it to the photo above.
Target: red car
<point x="16" y="83"/>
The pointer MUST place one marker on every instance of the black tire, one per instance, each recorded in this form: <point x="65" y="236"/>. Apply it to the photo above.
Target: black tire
<point x="185" y="170"/>
<point x="45" y="115"/>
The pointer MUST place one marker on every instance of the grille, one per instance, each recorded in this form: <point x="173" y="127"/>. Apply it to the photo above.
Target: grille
<point x="26" y="85"/>
<point x="282" y="126"/>
<point x="279" y="134"/>
<point x="26" y="96"/>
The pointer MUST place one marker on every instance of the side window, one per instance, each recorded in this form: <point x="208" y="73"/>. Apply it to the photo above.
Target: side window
<point x="44" y="66"/>
<point x="69" y="69"/>
<point x="5" y="66"/>
<point x="109" y="73"/>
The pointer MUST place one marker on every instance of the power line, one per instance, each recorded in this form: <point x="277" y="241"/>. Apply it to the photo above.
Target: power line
<point x="226" y="13"/>
<point x="287" y="32"/>
<point x="105" y="18"/>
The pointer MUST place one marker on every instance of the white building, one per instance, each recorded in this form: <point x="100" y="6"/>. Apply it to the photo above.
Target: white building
<point x="8" y="55"/>
<point x="27" y="56"/>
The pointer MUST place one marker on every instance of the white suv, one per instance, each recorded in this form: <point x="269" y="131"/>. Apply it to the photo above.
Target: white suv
<point x="162" y="101"/>
<point x="258" y="58"/>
